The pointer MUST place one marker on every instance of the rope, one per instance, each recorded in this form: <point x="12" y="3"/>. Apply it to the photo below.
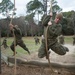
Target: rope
<point x="0" y="52"/>
<point x="14" y="53"/>
<point x="47" y="56"/>
<point x="14" y="39"/>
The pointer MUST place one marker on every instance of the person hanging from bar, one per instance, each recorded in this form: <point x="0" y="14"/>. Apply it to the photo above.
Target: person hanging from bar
<point x="54" y="30"/>
<point x="18" y="38"/>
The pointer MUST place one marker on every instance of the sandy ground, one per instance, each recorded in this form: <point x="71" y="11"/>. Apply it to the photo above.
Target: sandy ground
<point x="23" y="69"/>
<point x="69" y="58"/>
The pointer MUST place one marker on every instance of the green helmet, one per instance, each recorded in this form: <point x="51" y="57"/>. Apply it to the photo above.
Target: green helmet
<point x="59" y="15"/>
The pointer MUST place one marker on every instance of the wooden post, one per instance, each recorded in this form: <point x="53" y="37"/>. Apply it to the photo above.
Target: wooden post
<point x="0" y="50"/>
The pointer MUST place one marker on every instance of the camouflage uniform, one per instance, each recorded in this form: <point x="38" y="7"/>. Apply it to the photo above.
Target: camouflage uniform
<point x="5" y="43"/>
<point x="53" y="32"/>
<point x="61" y="39"/>
<point x="37" y="40"/>
<point x="18" y="39"/>
<point x="74" y="40"/>
<point x="42" y="38"/>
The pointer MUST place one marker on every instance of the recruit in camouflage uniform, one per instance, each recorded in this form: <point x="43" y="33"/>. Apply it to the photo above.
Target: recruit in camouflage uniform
<point x="37" y="40"/>
<point x="54" y="30"/>
<point x="74" y="40"/>
<point x="61" y="39"/>
<point x="18" y="37"/>
<point x="4" y="43"/>
<point x="42" y="38"/>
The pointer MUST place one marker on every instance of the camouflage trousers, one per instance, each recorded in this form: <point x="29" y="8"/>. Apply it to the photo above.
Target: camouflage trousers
<point x="5" y="46"/>
<point x="73" y="42"/>
<point x="20" y="43"/>
<point x="56" y="47"/>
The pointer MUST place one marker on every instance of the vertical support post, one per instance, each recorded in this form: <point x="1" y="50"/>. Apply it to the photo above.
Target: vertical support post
<point x="14" y="42"/>
<point x="0" y="50"/>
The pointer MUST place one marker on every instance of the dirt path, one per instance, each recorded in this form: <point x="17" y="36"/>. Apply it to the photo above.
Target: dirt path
<point x="33" y="70"/>
<point x="23" y="69"/>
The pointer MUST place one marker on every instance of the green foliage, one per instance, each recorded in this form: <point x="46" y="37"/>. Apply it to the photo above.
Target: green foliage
<point x="67" y="26"/>
<point x="68" y="23"/>
<point x="30" y="16"/>
<point x="34" y="5"/>
<point x="55" y="7"/>
<point x="6" y="6"/>
<point x="69" y="14"/>
<point x="3" y="32"/>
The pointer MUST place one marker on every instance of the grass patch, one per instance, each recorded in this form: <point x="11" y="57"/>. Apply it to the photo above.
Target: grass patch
<point x="30" y="43"/>
<point x="68" y="39"/>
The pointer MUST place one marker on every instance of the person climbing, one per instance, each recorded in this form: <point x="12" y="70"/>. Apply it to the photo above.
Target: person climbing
<point x="37" y="40"/>
<point x="53" y="31"/>
<point x="18" y="38"/>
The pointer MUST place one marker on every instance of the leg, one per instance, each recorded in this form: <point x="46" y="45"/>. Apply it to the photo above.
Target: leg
<point x="21" y="44"/>
<point x="12" y="47"/>
<point x="59" y="49"/>
<point x="5" y="46"/>
<point x="38" y="41"/>
<point x="74" y="42"/>
<point x="42" y="50"/>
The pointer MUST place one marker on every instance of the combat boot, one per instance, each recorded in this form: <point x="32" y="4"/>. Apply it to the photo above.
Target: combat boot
<point x="67" y="50"/>
<point x="14" y="53"/>
<point x="28" y="52"/>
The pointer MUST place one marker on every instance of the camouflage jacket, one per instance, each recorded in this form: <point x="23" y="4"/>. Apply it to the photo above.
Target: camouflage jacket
<point x="53" y="31"/>
<point x="18" y="33"/>
<point x="74" y="37"/>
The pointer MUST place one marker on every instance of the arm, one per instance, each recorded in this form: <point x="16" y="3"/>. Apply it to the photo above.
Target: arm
<point x="55" y="30"/>
<point x="17" y="30"/>
<point x="46" y="20"/>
